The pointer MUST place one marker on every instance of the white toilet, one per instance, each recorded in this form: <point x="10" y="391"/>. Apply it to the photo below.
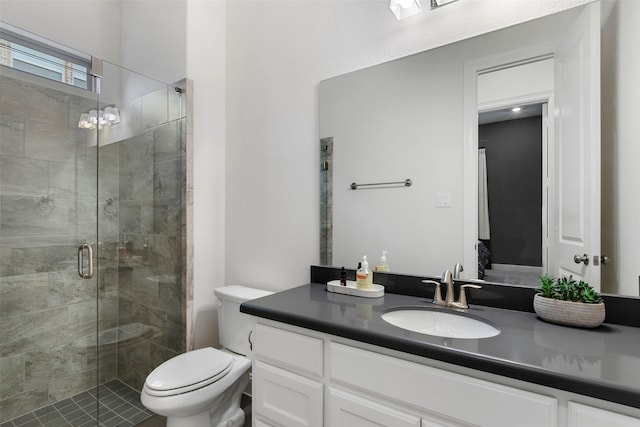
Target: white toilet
<point x="203" y="387"/>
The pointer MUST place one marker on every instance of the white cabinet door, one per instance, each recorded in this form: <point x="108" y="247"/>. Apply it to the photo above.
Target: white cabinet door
<point x="438" y="422"/>
<point x="350" y="410"/>
<point x="587" y="416"/>
<point x="286" y="398"/>
<point x="295" y="352"/>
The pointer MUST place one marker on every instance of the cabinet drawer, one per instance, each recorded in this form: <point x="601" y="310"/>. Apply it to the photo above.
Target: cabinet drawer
<point x="289" y="349"/>
<point x="286" y="398"/>
<point x="588" y="416"/>
<point x="350" y="410"/>
<point x="441" y="392"/>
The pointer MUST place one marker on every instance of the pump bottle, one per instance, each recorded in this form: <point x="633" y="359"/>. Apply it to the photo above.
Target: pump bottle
<point x="382" y="265"/>
<point x="364" y="276"/>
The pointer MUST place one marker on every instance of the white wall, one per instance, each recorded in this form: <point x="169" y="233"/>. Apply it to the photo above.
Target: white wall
<point x="90" y="27"/>
<point x="206" y="66"/>
<point x="277" y="53"/>
<point x="621" y="150"/>
<point x="154" y="38"/>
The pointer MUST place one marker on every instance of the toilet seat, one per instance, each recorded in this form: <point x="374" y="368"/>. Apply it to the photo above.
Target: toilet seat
<point x="188" y="371"/>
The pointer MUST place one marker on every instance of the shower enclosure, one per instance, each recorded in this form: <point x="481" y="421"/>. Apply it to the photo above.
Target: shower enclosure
<point x="92" y="241"/>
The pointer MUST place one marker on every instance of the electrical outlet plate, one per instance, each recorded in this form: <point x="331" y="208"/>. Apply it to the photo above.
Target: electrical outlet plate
<point x="443" y="200"/>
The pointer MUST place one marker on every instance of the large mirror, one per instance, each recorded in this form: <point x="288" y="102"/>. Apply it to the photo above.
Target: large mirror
<point x="405" y="119"/>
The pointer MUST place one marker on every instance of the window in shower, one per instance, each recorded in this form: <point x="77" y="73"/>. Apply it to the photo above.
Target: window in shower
<point x="44" y="60"/>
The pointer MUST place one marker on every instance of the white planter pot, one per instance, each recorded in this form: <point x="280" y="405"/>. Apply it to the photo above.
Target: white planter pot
<point x="568" y="312"/>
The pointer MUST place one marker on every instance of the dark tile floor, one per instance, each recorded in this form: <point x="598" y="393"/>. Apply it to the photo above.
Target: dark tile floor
<point x="119" y="406"/>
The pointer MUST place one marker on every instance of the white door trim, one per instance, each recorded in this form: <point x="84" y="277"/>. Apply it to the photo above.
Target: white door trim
<point x="472" y="69"/>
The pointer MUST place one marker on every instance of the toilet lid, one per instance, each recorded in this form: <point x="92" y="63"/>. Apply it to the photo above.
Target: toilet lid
<point x="189" y="371"/>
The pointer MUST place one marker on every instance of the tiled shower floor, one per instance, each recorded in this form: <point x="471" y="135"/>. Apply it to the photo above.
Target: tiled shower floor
<point x="119" y="406"/>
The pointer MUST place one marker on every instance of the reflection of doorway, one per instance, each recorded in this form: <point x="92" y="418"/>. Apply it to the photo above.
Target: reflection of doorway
<point x="514" y="247"/>
<point x="567" y="76"/>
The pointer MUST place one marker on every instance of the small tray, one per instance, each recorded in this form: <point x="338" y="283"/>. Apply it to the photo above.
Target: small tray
<point x="376" y="290"/>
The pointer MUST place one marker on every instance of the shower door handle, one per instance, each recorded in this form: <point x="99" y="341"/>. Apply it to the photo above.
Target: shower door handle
<point x="81" y="251"/>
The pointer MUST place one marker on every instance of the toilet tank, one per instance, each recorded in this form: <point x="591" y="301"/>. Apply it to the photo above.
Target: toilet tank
<point x="235" y="327"/>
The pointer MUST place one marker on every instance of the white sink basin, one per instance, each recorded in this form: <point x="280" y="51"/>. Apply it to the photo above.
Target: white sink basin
<point x="440" y="323"/>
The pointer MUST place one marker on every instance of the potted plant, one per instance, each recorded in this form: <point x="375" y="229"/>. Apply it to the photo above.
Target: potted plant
<point x="567" y="302"/>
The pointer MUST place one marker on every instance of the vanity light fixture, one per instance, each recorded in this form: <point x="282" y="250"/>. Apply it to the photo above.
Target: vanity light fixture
<point x="99" y="118"/>
<point x="405" y="8"/>
<point x="437" y="3"/>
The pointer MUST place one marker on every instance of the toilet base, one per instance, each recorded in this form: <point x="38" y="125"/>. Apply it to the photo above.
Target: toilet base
<point x="224" y="412"/>
<point x="236" y="420"/>
<point x="196" y="420"/>
<point x="203" y="419"/>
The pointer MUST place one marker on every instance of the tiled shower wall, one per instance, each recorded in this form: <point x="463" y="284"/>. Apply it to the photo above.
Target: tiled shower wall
<point x="47" y="208"/>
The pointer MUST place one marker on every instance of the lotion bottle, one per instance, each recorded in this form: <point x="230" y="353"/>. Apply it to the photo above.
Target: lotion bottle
<point x="382" y="265"/>
<point x="364" y="276"/>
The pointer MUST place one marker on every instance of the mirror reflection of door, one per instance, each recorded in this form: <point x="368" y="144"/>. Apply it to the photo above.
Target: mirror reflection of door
<point x="511" y="206"/>
<point x="568" y="79"/>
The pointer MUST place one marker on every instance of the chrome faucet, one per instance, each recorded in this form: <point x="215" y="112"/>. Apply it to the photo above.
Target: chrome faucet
<point x="450" y="302"/>
<point x="457" y="270"/>
<point x="447" y="278"/>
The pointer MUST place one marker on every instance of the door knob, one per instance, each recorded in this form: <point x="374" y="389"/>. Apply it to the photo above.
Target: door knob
<point x="584" y="259"/>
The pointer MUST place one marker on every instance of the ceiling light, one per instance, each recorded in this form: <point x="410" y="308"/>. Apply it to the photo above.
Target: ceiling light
<point x="516" y="109"/>
<point x="99" y="118"/>
<point x="112" y="115"/>
<point x="404" y="8"/>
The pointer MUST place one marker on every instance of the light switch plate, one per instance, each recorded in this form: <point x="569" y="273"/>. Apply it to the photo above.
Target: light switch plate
<point x="443" y="200"/>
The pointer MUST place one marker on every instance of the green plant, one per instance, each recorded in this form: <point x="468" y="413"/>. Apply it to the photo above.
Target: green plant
<point x="567" y="289"/>
<point x="546" y="286"/>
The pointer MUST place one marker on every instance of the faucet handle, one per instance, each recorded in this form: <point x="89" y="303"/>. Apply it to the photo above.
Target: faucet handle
<point x="437" y="296"/>
<point x="463" y="295"/>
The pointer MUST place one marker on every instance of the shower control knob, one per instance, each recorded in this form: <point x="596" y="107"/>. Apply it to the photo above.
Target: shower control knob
<point x="584" y="259"/>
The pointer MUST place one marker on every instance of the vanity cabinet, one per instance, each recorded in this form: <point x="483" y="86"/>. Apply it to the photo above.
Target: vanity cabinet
<point x="307" y="378"/>
<point x="287" y="378"/>
<point x="437" y="394"/>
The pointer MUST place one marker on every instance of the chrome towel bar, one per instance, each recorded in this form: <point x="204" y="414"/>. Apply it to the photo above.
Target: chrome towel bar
<point x="407" y="183"/>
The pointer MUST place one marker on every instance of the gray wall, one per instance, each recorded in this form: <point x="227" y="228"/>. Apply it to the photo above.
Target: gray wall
<point x="514" y="176"/>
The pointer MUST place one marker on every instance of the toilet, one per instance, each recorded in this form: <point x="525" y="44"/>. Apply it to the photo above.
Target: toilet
<point x="204" y="387"/>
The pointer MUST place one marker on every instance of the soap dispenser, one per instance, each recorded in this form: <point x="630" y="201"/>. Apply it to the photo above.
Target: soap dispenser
<point x="364" y="276"/>
<point x="382" y="266"/>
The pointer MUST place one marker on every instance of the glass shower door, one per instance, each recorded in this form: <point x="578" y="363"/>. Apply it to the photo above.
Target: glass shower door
<point x="141" y="170"/>
<point x="48" y="189"/>
<point x="92" y="202"/>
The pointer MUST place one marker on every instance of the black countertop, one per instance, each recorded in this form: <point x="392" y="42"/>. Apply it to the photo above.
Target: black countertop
<point x="603" y="363"/>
